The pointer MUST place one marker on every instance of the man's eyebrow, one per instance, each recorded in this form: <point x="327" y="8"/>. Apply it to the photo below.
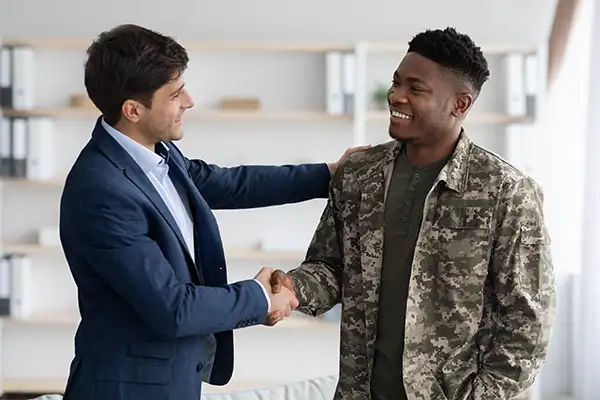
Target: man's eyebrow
<point x="178" y="90"/>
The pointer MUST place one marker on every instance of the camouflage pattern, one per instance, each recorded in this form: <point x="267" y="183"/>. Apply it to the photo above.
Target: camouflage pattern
<point x="482" y="292"/>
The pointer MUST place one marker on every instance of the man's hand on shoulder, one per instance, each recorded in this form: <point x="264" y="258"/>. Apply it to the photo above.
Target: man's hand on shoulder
<point x="334" y="166"/>
<point x="282" y="301"/>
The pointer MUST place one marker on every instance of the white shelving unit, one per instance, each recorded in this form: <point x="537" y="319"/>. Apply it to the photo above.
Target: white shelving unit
<point x="292" y="126"/>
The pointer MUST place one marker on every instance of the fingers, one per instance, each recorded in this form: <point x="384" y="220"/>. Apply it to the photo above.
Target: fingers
<point x="264" y="274"/>
<point x="273" y="318"/>
<point x="277" y="279"/>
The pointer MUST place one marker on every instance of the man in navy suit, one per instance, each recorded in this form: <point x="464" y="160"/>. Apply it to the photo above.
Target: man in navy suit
<point x="140" y="238"/>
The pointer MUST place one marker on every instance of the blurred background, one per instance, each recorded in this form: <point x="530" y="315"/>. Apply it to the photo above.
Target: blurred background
<point x="279" y="82"/>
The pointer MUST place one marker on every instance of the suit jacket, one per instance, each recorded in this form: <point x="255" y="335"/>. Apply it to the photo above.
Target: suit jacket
<point x="482" y="292"/>
<point x="146" y="307"/>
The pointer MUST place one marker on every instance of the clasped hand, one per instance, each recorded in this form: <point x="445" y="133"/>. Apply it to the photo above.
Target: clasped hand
<point x="281" y="293"/>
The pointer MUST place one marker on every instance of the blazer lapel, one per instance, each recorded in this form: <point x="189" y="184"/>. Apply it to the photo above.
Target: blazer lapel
<point x="134" y="173"/>
<point x="209" y="237"/>
<point x="373" y="184"/>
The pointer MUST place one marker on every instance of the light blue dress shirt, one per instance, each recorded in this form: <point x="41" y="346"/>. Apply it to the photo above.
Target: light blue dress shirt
<point x="157" y="171"/>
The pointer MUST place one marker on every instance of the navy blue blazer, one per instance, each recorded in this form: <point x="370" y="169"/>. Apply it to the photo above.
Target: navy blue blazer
<point x="146" y="307"/>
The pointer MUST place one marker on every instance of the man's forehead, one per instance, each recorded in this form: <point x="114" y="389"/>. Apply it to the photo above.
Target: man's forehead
<point x="417" y="66"/>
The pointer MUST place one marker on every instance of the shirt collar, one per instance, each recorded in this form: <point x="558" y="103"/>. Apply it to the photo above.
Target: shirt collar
<point x="144" y="157"/>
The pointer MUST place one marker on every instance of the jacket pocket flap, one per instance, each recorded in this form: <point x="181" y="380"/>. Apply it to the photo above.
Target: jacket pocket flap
<point x="135" y="373"/>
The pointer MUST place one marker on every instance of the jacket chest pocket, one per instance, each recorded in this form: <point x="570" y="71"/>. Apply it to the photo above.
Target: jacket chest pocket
<point x="463" y="233"/>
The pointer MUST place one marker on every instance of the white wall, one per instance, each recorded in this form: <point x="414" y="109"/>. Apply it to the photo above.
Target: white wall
<point x="509" y="21"/>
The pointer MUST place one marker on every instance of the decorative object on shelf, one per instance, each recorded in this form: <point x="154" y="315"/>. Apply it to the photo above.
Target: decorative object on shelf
<point x="48" y="236"/>
<point x="380" y="96"/>
<point x="240" y="104"/>
<point x="81" y="100"/>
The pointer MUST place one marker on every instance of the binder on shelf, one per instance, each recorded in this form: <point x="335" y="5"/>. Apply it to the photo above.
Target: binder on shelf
<point x="5" y="77"/>
<point x="521" y="84"/>
<point x="17" y="77"/>
<point x="341" y="82"/>
<point x="334" y="83"/>
<point x="5" y="283"/>
<point x="40" y="161"/>
<point x="21" y="286"/>
<point x="515" y="85"/>
<point x="15" y="286"/>
<point x="531" y="84"/>
<point x="5" y="147"/>
<point x="19" y="147"/>
<point x="27" y="148"/>
<point x="349" y="82"/>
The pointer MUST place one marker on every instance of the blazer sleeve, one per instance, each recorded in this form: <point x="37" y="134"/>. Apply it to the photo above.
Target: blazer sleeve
<point x="252" y="186"/>
<point x="109" y="231"/>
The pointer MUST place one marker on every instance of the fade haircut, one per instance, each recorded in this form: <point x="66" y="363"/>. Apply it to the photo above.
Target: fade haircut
<point x="130" y="62"/>
<point x="455" y="52"/>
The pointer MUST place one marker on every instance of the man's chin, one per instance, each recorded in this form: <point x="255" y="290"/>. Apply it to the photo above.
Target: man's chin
<point x="403" y="137"/>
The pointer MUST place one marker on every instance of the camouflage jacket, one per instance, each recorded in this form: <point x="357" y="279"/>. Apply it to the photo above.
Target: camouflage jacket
<point x="482" y="293"/>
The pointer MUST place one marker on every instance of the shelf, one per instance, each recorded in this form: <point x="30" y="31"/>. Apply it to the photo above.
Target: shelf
<point x="66" y="112"/>
<point x="41" y="182"/>
<point x="233" y="254"/>
<point x="57" y="385"/>
<point x="476" y="118"/>
<point x="34" y="385"/>
<point x="71" y="112"/>
<point x="488" y="50"/>
<point x="71" y="318"/>
<point x="71" y="43"/>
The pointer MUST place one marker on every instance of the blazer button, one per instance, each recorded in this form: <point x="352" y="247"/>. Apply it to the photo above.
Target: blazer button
<point x="198" y="368"/>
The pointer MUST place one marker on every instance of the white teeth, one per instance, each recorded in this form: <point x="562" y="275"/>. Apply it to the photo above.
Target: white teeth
<point x="397" y="114"/>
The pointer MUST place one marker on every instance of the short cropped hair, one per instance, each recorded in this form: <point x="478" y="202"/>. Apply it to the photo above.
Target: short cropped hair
<point x="130" y="62"/>
<point x="454" y="51"/>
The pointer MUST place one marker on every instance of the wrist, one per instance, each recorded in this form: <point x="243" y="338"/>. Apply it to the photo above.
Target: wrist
<point x="332" y="168"/>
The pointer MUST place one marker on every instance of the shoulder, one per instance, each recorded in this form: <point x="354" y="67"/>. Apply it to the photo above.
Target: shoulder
<point x="94" y="181"/>
<point x="490" y="172"/>
<point x="367" y="161"/>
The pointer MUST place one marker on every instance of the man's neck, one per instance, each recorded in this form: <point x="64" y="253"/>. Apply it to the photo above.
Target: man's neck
<point x="134" y="134"/>
<point x="425" y="154"/>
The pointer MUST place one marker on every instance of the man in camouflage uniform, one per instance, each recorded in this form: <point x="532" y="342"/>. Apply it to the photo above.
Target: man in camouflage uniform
<point x="436" y="248"/>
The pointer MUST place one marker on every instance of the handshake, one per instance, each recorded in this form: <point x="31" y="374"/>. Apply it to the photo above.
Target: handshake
<point x="281" y="294"/>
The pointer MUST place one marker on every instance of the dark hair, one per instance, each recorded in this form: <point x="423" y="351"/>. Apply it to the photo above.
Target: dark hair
<point x="454" y="51"/>
<point x="130" y="62"/>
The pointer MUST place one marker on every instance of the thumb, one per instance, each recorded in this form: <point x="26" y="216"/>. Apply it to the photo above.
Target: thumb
<point x="276" y="281"/>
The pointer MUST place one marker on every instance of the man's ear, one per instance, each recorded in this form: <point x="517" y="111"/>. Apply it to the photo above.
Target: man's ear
<point x="132" y="110"/>
<point x="462" y="104"/>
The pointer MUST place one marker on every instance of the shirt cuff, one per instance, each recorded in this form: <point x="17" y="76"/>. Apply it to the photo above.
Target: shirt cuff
<point x="266" y="294"/>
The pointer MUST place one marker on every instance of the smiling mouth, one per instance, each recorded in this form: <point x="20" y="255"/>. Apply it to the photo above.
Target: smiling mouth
<point x="401" y="115"/>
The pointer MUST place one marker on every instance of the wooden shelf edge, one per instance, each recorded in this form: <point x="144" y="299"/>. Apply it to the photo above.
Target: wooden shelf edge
<point x="231" y="254"/>
<point x="475" y="118"/>
<point x="191" y="44"/>
<point x="82" y="43"/>
<point x="71" y="318"/>
<point x="73" y="112"/>
<point x="487" y="49"/>
<point x="67" y="112"/>
<point x="34" y="385"/>
<point x="57" y="385"/>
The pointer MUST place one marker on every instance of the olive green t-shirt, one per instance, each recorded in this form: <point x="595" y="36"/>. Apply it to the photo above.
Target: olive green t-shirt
<point x="404" y="204"/>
